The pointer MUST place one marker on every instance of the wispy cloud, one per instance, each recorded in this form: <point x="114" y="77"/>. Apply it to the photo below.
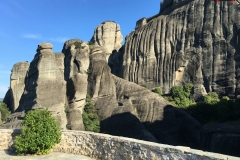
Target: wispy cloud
<point x="32" y="36"/>
<point x="39" y="37"/>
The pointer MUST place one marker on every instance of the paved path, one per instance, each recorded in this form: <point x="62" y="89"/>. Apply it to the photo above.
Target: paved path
<point x="51" y="156"/>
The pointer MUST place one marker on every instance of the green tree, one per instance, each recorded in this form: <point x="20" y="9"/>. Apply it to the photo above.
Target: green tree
<point x="211" y="98"/>
<point x="40" y="133"/>
<point x="90" y="118"/>
<point x="181" y="95"/>
<point x="4" y="111"/>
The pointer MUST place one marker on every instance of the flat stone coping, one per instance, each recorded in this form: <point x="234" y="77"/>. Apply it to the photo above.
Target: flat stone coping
<point x="52" y="156"/>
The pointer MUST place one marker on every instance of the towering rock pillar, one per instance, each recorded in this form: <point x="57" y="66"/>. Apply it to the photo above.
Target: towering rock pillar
<point x="17" y="85"/>
<point x="109" y="36"/>
<point x="76" y="74"/>
<point x="45" y="85"/>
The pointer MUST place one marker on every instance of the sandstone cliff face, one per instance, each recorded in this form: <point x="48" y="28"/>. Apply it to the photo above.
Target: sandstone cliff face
<point x="76" y="67"/>
<point x="109" y="36"/>
<point x="17" y="84"/>
<point x="201" y="48"/>
<point x="45" y="85"/>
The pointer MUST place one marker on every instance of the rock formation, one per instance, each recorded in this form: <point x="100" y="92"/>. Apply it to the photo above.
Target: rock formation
<point x="44" y="85"/>
<point x="76" y="67"/>
<point x="109" y="36"/>
<point x="17" y="84"/>
<point x="201" y="48"/>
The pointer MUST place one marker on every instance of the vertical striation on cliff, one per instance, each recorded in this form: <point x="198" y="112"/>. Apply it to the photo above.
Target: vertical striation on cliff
<point x="109" y="36"/>
<point x="45" y="85"/>
<point x="17" y="85"/>
<point x="189" y="41"/>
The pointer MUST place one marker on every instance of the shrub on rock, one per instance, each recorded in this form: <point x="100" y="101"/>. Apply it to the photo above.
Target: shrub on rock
<point x="4" y="111"/>
<point x="90" y="118"/>
<point x="158" y="90"/>
<point x="40" y="133"/>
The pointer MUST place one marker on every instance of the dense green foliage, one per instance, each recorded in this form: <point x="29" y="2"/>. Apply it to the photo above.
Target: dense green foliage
<point x="213" y="109"/>
<point x="90" y="118"/>
<point x="180" y="95"/>
<point x="40" y="133"/>
<point x="4" y="111"/>
<point x="158" y="90"/>
<point x="210" y="109"/>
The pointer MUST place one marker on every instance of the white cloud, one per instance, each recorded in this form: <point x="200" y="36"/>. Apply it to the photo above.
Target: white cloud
<point x="32" y="36"/>
<point x="39" y="37"/>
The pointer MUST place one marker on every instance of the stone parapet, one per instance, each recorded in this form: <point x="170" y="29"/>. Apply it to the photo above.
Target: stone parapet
<point x="103" y="146"/>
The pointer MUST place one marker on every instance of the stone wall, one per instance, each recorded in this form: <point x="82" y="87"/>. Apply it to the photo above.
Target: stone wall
<point x="109" y="147"/>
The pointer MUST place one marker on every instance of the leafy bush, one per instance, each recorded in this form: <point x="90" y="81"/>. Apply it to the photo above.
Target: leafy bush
<point x="181" y="95"/>
<point x="4" y="111"/>
<point x="158" y="90"/>
<point x="40" y="133"/>
<point x="90" y="118"/>
<point x="213" y="109"/>
<point x="211" y="98"/>
<point x="210" y="109"/>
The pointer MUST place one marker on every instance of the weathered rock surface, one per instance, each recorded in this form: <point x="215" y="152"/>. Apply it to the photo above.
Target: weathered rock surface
<point x="221" y="138"/>
<point x="45" y="85"/>
<point x="17" y="84"/>
<point x="201" y="48"/>
<point x="109" y="36"/>
<point x="76" y="93"/>
<point x="76" y="59"/>
<point x="76" y="67"/>
<point x="60" y="60"/>
<point x="168" y="124"/>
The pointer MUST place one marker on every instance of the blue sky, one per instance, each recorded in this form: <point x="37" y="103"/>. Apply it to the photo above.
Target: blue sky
<point x="26" y="23"/>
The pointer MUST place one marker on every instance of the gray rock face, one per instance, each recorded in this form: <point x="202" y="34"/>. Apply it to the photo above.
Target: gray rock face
<point x="60" y="60"/>
<point x="168" y="124"/>
<point x="17" y="84"/>
<point x="222" y="138"/>
<point x="76" y="59"/>
<point x="109" y="36"/>
<point x="45" y="85"/>
<point x="76" y="63"/>
<point x="201" y="48"/>
<point x="76" y="93"/>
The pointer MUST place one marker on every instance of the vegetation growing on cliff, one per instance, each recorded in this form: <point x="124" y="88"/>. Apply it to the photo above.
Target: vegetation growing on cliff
<point x="90" y="118"/>
<point x="158" y="90"/>
<point x="180" y="96"/>
<point x="40" y="133"/>
<point x="4" y="111"/>
<point x="210" y="108"/>
<point x="214" y="109"/>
